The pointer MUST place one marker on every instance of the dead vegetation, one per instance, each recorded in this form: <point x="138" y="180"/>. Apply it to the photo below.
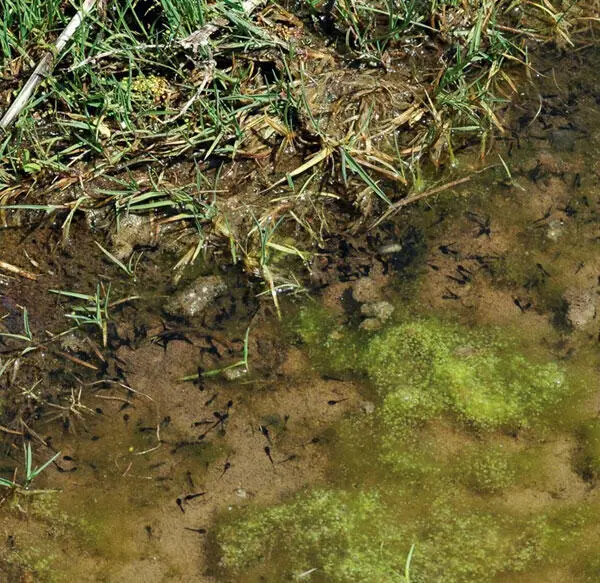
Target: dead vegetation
<point x="232" y="121"/>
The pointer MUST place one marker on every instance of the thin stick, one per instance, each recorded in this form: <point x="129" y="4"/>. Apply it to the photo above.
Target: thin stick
<point x="78" y="360"/>
<point x="120" y="384"/>
<point x="17" y="270"/>
<point x="11" y="431"/>
<point x="45" y="65"/>
<point x="32" y="432"/>
<point x="111" y="398"/>
<point x="410" y="199"/>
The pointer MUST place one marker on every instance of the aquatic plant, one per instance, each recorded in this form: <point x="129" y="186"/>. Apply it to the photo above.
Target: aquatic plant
<point x="363" y="536"/>
<point x="93" y="310"/>
<point x="427" y="368"/>
<point x="462" y="546"/>
<point x="587" y="457"/>
<point x="333" y="348"/>
<point x="30" y="472"/>
<point x="339" y="534"/>
<point x="487" y="469"/>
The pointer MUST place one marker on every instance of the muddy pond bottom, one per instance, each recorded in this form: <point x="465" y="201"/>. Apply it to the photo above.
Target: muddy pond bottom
<point x="429" y="414"/>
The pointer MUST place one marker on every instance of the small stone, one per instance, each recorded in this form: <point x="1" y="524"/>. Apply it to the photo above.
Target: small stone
<point x="556" y="228"/>
<point x="370" y="325"/>
<point x="390" y="248"/>
<point x="233" y="374"/>
<point x="581" y="307"/>
<point x="134" y="231"/>
<point x="195" y="298"/>
<point x="380" y="310"/>
<point x="98" y="219"/>
<point x="366" y="290"/>
<point x="464" y="351"/>
<point x="73" y="343"/>
<point x="368" y="407"/>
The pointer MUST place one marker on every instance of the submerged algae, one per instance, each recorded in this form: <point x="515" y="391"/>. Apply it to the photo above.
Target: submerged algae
<point x="587" y="458"/>
<point x="347" y="536"/>
<point x="333" y="348"/>
<point x="425" y="367"/>
<point x="337" y="533"/>
<point x="425" y="371"/>
<point x="428" y="367"/>
<point x="488" y="469"/>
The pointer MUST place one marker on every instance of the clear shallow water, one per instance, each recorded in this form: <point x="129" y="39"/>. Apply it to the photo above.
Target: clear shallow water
<point x="466" y="426"/>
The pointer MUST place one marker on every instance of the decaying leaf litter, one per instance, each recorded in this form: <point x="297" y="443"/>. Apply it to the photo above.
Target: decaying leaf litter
<point x="221" y="136"/>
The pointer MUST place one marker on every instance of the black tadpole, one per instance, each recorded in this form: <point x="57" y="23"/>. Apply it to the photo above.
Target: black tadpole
<point x="226" y="466"/>
<point x="222" y="417"/>
<point x="264" y="430"/>
<point x="192" y="496"/>
<point x="268" y="452"/>
<point x="211" y="399"/>
<point x="200" y="381"/>
<point x="289" y="458"/>
<point x="190" y="480"/>
<point x="334" y="402"/>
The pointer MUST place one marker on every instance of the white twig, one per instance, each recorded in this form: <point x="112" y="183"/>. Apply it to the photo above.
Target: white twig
<point x="201" y="37"/>
<point x="17" y="270"/>
<point x="45" y="65"/>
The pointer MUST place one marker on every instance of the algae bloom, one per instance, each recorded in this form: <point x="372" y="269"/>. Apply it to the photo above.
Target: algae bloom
<point x="426" y="368"/>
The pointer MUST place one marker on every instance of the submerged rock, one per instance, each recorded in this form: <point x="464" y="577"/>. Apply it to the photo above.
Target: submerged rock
<point x="366" y="289"/>
<point x="195" y="298"/>
<point x="377" y="313"/>
<point x="556" y="229"/>
<point x="581" y="307"/>
<point x="134" y="231"/>
<point x="233" y="374"/>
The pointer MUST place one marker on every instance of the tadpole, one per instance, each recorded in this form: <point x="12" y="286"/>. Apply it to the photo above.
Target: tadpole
<point x="193" y="496"/>
<point x="198" y="530"/>
<point x="200" y="381"/>
<point x="207" y="403"/>
<point x="334" y="402"/>
<point x="189" y="479"/>
<point x="289" y="458"/>
<point x="226" y="466"/>
<point x="268" y="452"/>
<point x="264" y="430"/>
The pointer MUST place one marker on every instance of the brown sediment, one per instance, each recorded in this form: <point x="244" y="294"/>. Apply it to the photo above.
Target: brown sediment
<point x="150" y="439"/>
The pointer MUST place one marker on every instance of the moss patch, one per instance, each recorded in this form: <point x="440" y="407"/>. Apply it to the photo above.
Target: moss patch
<point x="335" y="532"/>
<point x="430" y="467"/>
<point x="427" y="367"/>
<point x="333" y="348"/>
<point x="365" y="536"/>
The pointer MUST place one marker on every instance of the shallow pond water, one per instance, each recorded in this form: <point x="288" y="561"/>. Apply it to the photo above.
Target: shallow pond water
<point x="438" y="393"/>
